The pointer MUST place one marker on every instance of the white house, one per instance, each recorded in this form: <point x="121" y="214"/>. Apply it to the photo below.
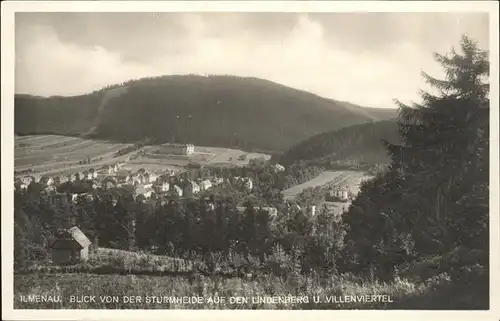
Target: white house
<point x="311" y="210"/>
<point x="279" y="168"/>
<point x="248" y="183"/>
<point x="144" y="191"/>
<point x="86" y="175"/>
<point x="272" y="211"/>
<point x="118" y="167"/>
<point x="152" y="177"/>
<point x="177" y="191"/>
<point x="217" y="181"/>
<point x="63" y="179"/>
<point x="176" y="149"/>
<point x="20" y="185"/>
<point x="206" y="184"/>
<point x="162" y="187"/>
<point x="27" y="180"/>
<point x="47" y="181"/>
<point x="192" y="187"/>
<point x="195" y="188"/>
<point x="342" y="194"/>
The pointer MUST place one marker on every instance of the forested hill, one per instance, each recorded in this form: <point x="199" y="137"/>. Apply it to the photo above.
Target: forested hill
<point x="358" y="144"/>
<point x="226" y="111"/>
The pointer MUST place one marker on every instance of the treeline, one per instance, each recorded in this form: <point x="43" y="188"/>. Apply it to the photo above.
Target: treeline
<point x="292" y="240"/>
<point x="355" y="147"/>
<point x="430" y="210"/>
<point x="226" y="111"/>
<point x="71" y="116"/>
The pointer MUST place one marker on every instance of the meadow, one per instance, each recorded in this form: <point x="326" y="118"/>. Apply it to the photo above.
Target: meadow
<point x="350" y="179"/>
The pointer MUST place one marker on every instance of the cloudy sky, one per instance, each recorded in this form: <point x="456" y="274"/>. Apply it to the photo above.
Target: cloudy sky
<point x="363" y="58"/>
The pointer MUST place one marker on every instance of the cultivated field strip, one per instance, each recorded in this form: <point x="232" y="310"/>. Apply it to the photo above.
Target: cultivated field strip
<point x="46" y="140"/>
<point x="51" y="158"/>
<point x="50" y="154"/>
<point x="34" y="138"/>
<point x="35" y="149"/>
<point x="74" y="168"/>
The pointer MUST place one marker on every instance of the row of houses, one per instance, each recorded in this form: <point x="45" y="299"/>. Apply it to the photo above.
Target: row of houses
<point x="184" y="187"/>
<point x="145" y="183"/>
<point x="244" y="182"/>
<point x="46" y="181"/>
<point x="340" y="193"/>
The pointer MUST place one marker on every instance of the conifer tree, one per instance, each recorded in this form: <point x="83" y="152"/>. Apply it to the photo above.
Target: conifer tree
<point x="435" y="196"/>
<point x="445" y="143"/>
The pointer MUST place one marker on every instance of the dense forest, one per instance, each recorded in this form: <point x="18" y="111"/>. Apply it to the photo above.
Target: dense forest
<point x="355" y="146"/>
<point x="225" y="111"/>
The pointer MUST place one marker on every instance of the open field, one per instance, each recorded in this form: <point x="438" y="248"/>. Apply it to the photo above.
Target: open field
<point x="207" y="156"/>
<point x="229" y="156"/>
<point x="350" y="179"/>
<point x="53" y="154"/>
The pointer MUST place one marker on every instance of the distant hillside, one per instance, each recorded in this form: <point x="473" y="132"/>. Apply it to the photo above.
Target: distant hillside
<point x="226" y="111"/>
<point x="358" y="144"/>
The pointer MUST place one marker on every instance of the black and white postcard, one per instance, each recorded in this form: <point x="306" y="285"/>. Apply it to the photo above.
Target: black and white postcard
<point x="300" y="159"/>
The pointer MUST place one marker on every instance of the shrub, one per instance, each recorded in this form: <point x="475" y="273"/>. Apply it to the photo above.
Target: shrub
<point x="280" y="263"/>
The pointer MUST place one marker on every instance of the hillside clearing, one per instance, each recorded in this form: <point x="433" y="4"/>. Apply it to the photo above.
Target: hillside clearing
<point x="349" y="179"/>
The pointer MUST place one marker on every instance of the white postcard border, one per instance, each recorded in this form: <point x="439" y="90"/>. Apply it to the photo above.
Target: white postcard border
<point x="7" y="92"/>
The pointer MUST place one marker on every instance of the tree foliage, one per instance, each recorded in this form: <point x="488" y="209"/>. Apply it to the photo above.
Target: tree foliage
<point x="434" y="198"/>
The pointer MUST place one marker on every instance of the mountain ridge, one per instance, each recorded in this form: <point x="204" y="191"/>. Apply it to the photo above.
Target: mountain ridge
<point x="225" y="111"/>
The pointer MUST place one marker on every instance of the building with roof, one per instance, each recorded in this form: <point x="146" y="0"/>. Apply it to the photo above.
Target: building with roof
<point x="177" y="191"/>
<point x="70" y="246"/>
<point x="176" y="149"/>
<point x="205" y="185"/>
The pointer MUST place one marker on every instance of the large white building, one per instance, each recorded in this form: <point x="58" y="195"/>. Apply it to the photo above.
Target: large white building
<point x="176" y="149"/>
